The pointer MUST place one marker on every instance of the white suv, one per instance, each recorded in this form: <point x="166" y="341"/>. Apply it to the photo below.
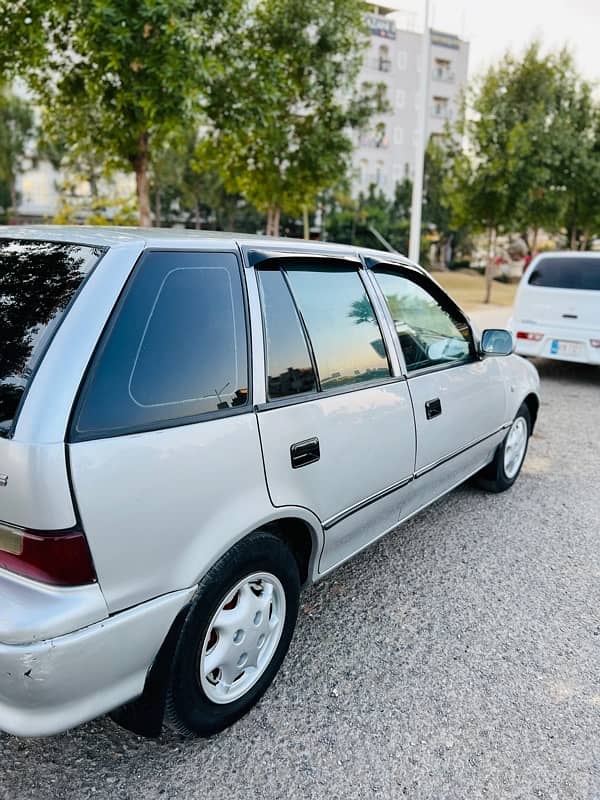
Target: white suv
<point x="557" y="308"/>
<point x="193" y="427"/>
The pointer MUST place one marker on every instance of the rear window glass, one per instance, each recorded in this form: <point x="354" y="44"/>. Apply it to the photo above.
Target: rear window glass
<point x="175" y="349"/>
<point x="567" y="273"/>
<point x="37" y="282"/>
<point x="289" y="368"/>
<point x="341" y="325"/>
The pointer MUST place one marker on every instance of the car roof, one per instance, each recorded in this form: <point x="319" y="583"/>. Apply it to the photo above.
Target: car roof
<point x="112" y="236"/>
<point x="568" y="254"/>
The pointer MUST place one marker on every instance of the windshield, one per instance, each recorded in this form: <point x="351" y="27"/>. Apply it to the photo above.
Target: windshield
<point x="567" y="273"/>
<point x="37" y="281"/>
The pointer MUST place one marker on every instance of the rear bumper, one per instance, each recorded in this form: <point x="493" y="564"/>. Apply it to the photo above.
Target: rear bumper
<point x="546" y="347"/>
<point x="52" y="685"/>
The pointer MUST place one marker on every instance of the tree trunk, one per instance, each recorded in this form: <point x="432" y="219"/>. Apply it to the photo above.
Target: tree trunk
<point x="142" y="182"/>
<point x="270" y="221"/>
<point x="276" y="219"/>
<point x="305" y="222"/>
<point x="157" y="207"/>
<point x="585" y="235"/>
<point x="197" y="221"/>
<point x="14" y="200"/>
<point x="490" y="266"/>
<point x="534" y="241"/>
<point x="574" y="236"/>
<point x="93" y="181"/>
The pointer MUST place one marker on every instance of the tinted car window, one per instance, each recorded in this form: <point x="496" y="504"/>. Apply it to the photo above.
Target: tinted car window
<point x="175" y="349"/>
<point x="37" y="282"/>
<point x="429" y="330"/>
<point x="567" y="273"/>
<point x="341" y="324"/>
<point x="289" y="368"/>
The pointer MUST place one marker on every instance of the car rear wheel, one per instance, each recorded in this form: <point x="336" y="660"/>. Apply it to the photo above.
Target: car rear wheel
<point x="503" y="470"/>
<point x="235" y="636"/>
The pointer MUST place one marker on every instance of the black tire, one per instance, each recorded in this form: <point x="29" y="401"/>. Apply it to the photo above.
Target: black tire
<point x="493" y="477"/>
<point x="188" y="708"/>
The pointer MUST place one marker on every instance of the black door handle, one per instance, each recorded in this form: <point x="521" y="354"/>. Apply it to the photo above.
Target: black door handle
<point x="305" y="452"/>
<point x="433" y="408"/>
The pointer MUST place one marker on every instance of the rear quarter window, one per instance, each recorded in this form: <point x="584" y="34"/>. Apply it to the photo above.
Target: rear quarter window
<point x="567" y="273"/>
<point x="175" y="350"/>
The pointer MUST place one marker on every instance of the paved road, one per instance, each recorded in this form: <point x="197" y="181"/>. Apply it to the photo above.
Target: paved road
<point x="457" y="658"/>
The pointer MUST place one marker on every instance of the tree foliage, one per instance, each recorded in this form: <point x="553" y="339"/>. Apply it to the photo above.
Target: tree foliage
<point x="281" y="110"/>
<point x="352" y="221"/>
<point x="116" y="75"/>
<point x="524" y="154"/>
<point x="531" y="145"/>
<point x="16" y="128"/>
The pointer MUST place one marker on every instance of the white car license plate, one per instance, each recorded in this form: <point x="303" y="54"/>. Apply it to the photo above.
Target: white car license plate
<point x="560" y="348"/>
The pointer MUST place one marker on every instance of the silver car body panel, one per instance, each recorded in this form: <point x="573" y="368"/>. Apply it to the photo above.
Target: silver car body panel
<point x="31" y="611"/>
<point x="52" y="685"/>
<point x="159" y="508"/>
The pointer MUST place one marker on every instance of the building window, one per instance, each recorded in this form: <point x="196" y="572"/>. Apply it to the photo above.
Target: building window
<point x="401" y="60"/>
<point x="442" y="70"/>
<point x="400" y="98"/>
<point x="364" y="171"/>
<point x="380" y="174"/>
<point x="441" y="107"/>
<point x="384" y="62"/>
<point x="375" y="137"/>
<point x="398" y="135"/>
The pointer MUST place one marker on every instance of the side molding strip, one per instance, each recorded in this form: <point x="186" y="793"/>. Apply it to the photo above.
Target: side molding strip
<point x="347" y="512"/>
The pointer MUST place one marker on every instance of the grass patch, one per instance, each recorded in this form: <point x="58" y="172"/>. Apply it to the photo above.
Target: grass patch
<point x="468" y="289"/>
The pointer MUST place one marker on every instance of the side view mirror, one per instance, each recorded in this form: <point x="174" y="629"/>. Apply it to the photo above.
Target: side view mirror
<point x="496" y="342"/>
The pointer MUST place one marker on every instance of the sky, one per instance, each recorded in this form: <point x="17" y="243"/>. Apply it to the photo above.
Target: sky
<point x="493" y="27"/>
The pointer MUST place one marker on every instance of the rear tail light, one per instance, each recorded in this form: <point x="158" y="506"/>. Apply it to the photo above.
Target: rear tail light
<point x="595" y="342"/>
<point x="532" y="337"/>
<point x="61" y="558"/>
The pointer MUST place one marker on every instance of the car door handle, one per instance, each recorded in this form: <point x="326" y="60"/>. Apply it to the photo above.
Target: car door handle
<point x="305" y="452"/>
<point x="433" y="408"/>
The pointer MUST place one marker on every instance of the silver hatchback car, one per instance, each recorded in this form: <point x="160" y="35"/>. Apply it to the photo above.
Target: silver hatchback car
<point x="192" y="427"/>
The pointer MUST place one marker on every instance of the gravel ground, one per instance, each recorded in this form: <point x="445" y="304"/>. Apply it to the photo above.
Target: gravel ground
<point x="457" y="658"/>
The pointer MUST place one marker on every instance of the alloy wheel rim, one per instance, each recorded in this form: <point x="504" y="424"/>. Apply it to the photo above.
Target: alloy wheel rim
<point x="242" y="637"/>
<point x="514" y="449"/>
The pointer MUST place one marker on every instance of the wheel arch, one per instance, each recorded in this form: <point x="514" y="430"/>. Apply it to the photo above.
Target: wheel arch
<point x="303" y="541"/>
<point x="532" y="402"/>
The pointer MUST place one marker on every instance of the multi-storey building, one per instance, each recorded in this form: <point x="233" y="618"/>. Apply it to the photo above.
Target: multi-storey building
<point x="386" y="153"/>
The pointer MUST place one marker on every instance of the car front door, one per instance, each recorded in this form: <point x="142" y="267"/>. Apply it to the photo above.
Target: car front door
<point x="337" y="426"/>
<point x="459" y="398"/>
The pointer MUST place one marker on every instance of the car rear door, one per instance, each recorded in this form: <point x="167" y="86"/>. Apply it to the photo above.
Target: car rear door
<point x="337" y="426"/>
<point x="459" y="399"/>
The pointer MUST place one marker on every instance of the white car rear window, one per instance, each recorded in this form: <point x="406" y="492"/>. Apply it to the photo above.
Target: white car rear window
<point x="567" y="273"/>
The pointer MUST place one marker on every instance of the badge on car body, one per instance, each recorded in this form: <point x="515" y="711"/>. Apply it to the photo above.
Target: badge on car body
<point x="3" y="480"/>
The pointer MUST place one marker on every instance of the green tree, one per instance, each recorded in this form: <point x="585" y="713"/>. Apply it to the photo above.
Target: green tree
<point x="119" y="75"/>
<point x="526" y="123"/>
<point x="16" y="129"/>
<point x="353" y="221"/>
<point x="282" y="108"/>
